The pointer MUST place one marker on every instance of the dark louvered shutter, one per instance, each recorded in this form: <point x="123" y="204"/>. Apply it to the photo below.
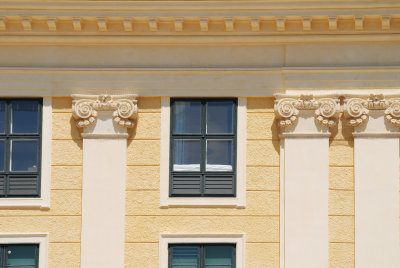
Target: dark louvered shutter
<point x="23" y="185"/>
<point x="221" y="185"/>
<point x="186" y="185"/>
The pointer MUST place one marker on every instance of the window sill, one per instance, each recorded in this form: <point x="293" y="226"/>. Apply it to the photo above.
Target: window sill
<point x="38" y="203"/>
<point x="232" y="202"/>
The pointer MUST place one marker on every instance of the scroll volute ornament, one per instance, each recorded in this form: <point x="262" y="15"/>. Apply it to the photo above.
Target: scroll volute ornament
<point x="356" y="111"/>
<point x="326" y="110"/>
<point x="85" y="109"/>
<point x="392" y="113"/>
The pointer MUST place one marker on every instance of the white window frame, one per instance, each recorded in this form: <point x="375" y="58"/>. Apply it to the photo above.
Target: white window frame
<point x="168" y="239"/>
<point x="240" y="200"/>
<point x="42" y="202"/>
<point x="32" y="238"/>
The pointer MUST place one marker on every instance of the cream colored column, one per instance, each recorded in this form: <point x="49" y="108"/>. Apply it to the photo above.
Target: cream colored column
<point x="104" y="120"/>
<point x="376" y="164"/>
<point x="305" y="123"/>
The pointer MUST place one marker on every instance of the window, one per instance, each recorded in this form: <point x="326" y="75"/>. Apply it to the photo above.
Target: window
<point x="202" y="256"/>
<point x="24" y="250"/>
<point x="202" y="250"/>
<point x="203" y="147"/>
<point x="20" y="147"/>
<point x="19" y="255"/>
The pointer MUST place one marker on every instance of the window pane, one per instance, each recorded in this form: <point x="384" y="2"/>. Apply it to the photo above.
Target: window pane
<point x="187" y="155"/>
<point x="219" y="155"/>
<point x="220" y="117"/>
<point x="187" y="117"/>
<point x="218" y="256"/>
<point x="185" y="257"/>
<point x="24" y="155"/>
<point x="21" y="255"/>
<point x="24" y="117"/>
<point x="1" y="155"/>
<point x="2" y="117"/>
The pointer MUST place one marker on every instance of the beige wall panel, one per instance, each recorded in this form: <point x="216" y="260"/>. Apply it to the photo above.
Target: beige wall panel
<point x="341" y="255"/>
<point x="341" y="153"/>
<point x="261" y="126"/>
<point x="60" y="228"/>
<point x="143" y="177"/>
<point x="148" y="126"/>
<point x="143" y="255"/>
<point x="149" y="105"/>
<point x="341" y="229"/>
<point x="66" y="177"/>
<point x="333" y="55"/>
<point x="62" y="202"/>
<point x="62" y="105"/>
<point x="148" y="228"/>
<point x="263" y="153"/>
<point x="147" y="203"/>
<point x="63" y="255"/>
<point x="66" y="152"/>
<point x="341" y="178"/>
<point x="143" y="152"/>
<point x="64" y="127"/>
<point x="341" y="202"/>
<point x="262" y="178"/>
<point x="260" y="255"/>
<point x="142" y="56"/>
<point x="260" y="105"/>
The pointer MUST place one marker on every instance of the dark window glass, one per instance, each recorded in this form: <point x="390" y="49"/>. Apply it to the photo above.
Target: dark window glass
<point x="2" y="117"/>
<point x="187" y="116"/>
<point x="20" y="141"/>
<point x="202" y="256"/>
<point x="219" y="117"/>
<point x="187" y="155"/>
<point x="24" y="117"/>
<point x="203" y="147"/>
<point x="17" y="255"/>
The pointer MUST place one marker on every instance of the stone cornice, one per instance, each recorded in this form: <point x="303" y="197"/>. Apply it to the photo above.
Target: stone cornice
<point x="287" y="109"/>
<point x="202" y="18"/>
<point x="85" y="109"/>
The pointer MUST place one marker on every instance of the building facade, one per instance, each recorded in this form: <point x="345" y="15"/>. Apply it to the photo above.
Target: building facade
<point x="200" y="134"/>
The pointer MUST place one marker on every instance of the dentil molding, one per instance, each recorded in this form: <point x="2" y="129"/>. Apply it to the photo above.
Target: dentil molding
<point x="85" y="109"/>
<point x="287" y="110"/>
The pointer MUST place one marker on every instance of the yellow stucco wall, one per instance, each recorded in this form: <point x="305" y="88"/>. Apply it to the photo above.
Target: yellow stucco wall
<point x="341" y="197"/>
<point x="145" y="220"/>
<point x="260" y="220"/>
<point x="63" y="220"/>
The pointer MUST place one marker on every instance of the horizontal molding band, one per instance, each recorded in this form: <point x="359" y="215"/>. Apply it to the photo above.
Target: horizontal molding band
<point x="198" y="81"/>
<point x="195" y="40"/>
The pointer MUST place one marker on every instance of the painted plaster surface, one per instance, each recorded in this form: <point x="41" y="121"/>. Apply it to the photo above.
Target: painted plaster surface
<point x="63" y="220"/>
<point x="341" y="197"/>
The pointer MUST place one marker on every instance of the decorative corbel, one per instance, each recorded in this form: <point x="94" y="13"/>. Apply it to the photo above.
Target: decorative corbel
<point x="85" y="109"/>
<point x="286" y="112"/>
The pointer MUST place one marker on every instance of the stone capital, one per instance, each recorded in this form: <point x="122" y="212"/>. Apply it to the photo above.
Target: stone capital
<point x="116" y="113"/>
<point x="376" y="113"/>
<point x="318" y="114"/>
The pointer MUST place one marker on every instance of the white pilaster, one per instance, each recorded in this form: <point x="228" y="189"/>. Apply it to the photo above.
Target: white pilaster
<point x="376" y="164"/>
<point x="305" y="123"/>
<point x="104" y="119"/>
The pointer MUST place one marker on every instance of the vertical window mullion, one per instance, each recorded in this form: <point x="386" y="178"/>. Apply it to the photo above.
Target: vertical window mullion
<point x="203" y="144"/>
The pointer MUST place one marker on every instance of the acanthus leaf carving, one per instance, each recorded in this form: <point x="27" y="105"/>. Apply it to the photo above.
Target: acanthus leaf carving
<point x="124" y="109"/>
